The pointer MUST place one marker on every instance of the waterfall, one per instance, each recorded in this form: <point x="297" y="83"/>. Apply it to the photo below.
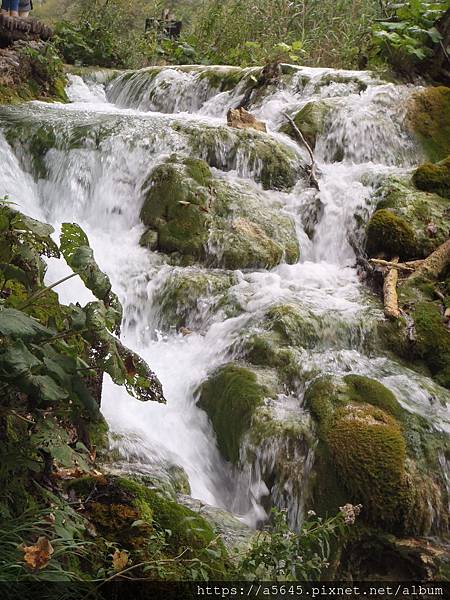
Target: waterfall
<point x="87" y="162"/>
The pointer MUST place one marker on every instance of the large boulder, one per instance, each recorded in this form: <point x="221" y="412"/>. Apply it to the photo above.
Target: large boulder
<point x="230" y="397"/>
<point x="205" y="218"/>
<point x="429" y="119"/>
<point x="374" y="452"/>
<point x="408" y="223"/>
<point x="310" y="120"/>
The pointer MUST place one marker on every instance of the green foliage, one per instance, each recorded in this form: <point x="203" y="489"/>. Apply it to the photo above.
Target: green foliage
<point x="107" y="34"/>
<point x="327" y="32"/>
<point x="279" y="554"/>
<point x="410" y="29"/>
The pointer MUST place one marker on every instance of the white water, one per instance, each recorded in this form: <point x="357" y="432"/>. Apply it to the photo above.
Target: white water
<point x="97" y="181"/>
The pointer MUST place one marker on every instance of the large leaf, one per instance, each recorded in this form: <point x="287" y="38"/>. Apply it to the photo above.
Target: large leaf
<point x="80" y="257"/>
<point x="124" y="366"/>
<point x="17" y="325"/>
<point x="35" y="233"/>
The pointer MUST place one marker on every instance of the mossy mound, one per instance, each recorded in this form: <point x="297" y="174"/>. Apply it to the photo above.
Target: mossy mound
<point x="207" y="219"/>
<point x="230" y="397"/>
<point x="434" y="178"/>
<point x="372" y="451"/>
<point x="391" y="235"/>
<point x="408" y="223"/>
<point x="310" y="120"/>
<point x="429" y="118"/>
<point x="147" y="525"/>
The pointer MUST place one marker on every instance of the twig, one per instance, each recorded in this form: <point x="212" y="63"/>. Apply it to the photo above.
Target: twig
<point x="392" y="264"/>
<point x="300" y="136"/>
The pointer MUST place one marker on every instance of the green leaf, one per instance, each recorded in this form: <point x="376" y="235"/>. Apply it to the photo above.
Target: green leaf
<point x="80" y="257"/>
<point x="17" y="325"/>
<point x="11" y="272"/>
<point x="17" y="361"/>
<point x="434" y="35"/>
<point x="124" y="366"/>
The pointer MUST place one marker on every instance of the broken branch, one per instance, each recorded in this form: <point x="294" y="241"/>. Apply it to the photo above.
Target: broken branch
<point x="391" y="309"/>
<point x="301" y="137"/>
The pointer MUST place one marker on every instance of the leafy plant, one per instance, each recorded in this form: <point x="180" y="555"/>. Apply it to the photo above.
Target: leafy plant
<point x="279" y="554"/>
<point x="410" y="28"/>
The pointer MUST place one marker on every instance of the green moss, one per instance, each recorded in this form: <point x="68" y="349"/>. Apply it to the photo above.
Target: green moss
<point x="198" y="170"/>
<point x="310" y="120"/>
<point x="223" y="80"/>
<point x="128" y="513"/>
<point x="434" y="178"/>
<point x="432" y="342"/>
<point x="387" y="233"/>
<point x="230" y="397"/>
<point x="369" y="452"/>
<point x="369" y="391"/>
<point x="173" y="207"/>
<point x="429" y="117"/>
<point x="210" y="220"/>
<point x="187" y="291"/>
<point x="418" y="209"/>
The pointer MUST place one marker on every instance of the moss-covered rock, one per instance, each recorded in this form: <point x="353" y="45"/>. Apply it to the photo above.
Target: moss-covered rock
<point x="374" y="452"/>
<point x="310" y="120"/>
<point x="429" y="118"/>
<point x="230" y="397"/>
<point x="390" y="234"/>
<point x="208" y="219"/>
<point x="188" y="295"/>
<point x="434" y="178"/>
<point x="247" y="151"/>
<point x="408" y="223"/>
<point x="147" y="524"/>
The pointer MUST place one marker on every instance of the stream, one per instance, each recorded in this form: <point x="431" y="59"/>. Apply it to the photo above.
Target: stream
<point x="87" y="161"/>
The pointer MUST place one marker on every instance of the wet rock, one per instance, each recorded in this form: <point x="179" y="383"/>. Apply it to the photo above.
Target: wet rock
<point x="230" y="397"/>
<point x="373" y="452"/>
<point x="189" y="297"/>
<point x="242" y="119"/>
<point x="247" y="151"/>
<point x="235" y="535"/>
<point x="429" y="119"/>
<point x="400" y="225"/>
<point x="434" y="178"/>
<point x="311" y="121"/>
<point x="207" y="219"/>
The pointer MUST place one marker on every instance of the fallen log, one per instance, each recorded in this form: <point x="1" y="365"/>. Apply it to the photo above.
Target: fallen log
<point x="13" y="29"/>
<point x="391" y="309"/>
<point x="301" y="138"/>
<point x="435" y="263"/>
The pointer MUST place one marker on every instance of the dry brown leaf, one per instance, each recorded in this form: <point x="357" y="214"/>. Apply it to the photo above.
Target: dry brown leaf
<point x="37" y="556"/>
<point x="119" y="560"/>
<point x="73" y="473"/>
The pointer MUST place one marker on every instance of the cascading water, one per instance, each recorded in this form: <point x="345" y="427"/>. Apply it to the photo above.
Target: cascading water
<point x="89" y="166"/>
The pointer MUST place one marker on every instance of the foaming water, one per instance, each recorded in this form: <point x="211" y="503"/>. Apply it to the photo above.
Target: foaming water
<point x="102" y="147"/>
